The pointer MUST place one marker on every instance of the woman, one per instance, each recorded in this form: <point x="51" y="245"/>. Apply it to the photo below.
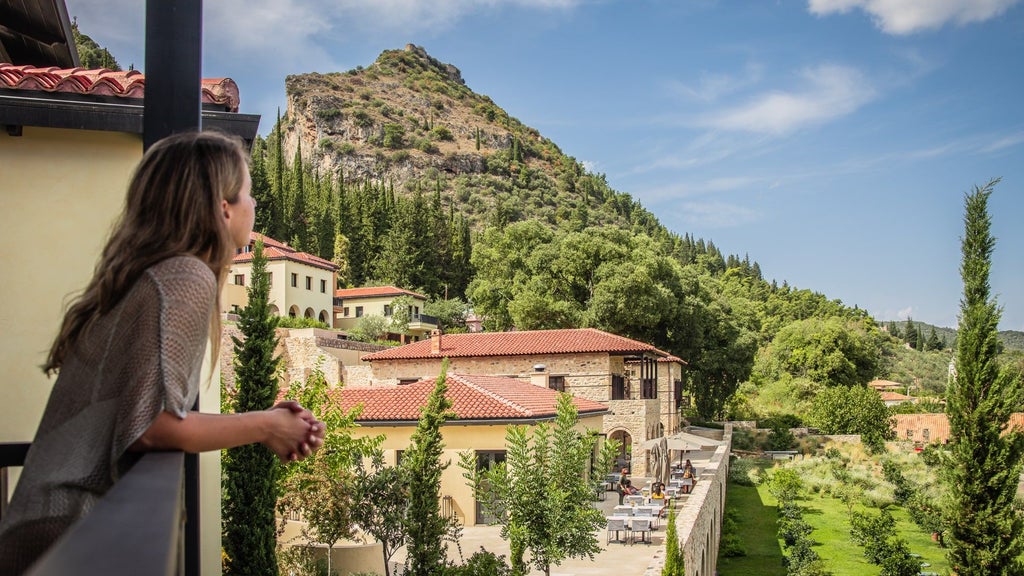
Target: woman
<point x="130" y="349"/>
<point x="658" y="497"/>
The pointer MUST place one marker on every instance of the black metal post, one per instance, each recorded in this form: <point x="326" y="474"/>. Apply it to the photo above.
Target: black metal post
<point x="174" y="50"/>
<point x="173" y="103"/>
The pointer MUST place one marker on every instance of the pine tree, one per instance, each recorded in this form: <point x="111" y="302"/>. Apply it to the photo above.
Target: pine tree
<point x="250" y="472"/>
<point x="910" y="333"/>
<point x="986" y="534"/>
<point x="428" y="529"/>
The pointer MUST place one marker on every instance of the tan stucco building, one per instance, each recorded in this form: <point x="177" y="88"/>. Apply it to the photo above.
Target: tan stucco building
<point x="301" y="284"/>
<point x="623" y="374"/>
<point x="352" y="304"/>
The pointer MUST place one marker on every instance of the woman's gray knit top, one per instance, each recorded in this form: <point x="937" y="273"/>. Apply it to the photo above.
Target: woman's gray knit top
<point x="142" y="357"/>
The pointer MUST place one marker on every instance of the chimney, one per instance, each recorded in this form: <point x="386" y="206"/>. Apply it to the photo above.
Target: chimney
<point x="539" y="376"/>
<point x="435" y="341"/>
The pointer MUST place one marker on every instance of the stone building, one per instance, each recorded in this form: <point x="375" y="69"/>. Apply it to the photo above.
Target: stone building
<point x="623" y="374"/>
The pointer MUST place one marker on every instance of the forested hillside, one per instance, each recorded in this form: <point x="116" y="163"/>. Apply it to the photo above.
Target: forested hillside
<point x="401" y="174"/>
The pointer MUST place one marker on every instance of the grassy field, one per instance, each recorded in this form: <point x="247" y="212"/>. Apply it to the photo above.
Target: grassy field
<point x="756" y="519"/>
<point x="757" y="528"/>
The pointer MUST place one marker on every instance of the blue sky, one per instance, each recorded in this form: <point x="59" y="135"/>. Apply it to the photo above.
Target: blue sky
<point x="831" y="140"/>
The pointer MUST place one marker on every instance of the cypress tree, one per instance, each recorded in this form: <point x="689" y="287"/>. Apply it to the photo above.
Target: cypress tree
<point x="250" y="472"/>
<point x="428" y="529"/>
<point x="986" y="534"/>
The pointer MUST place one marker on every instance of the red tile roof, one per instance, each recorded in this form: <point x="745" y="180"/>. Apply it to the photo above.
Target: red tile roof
<point x="937" y="426"/>
<point x="375" y="292"/>
<point x="477" y="344"/>
<point x="473" y="398"/>
<point x="275" y="250"/>
<point x="894" y="397"/>
<point x="884" y="384"/>
<point x="103" y="82"/>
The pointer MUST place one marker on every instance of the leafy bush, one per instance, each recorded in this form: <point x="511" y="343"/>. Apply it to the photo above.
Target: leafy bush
<point x="743" y="439"/>
<point x="481" y="563"/>
<point x="296" y="322"/>
<point x="730" y="544"/>
<point x="441" y="133"/>
<point x="394" y="135"/>
<point x="785" y="484"/>
<point x="739" y="471"/>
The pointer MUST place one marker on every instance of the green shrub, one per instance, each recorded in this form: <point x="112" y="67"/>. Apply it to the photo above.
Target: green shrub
<point x="362" y="118"/>
<point x="289" y="322"/>
<point x="441" y="133"/>
<point x="739" y="471"/>
<point x="481" y="563"/>
<point x="731" y="545"/>
<point x="328" y="114"/>
<point x="394" y="136"/>
<point x="346" y="148"/>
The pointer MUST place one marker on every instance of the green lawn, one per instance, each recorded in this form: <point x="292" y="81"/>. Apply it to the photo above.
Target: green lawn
<point x="756" y="514"/>
<point x="757" y="529"/>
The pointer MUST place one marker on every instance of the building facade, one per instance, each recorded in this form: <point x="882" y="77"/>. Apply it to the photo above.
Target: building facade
<point x="301" y="284"/>
<point x="353" y="304"/>
<point x="618" y="372"/>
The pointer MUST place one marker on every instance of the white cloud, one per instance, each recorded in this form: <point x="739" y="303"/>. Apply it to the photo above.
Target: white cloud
<point x="716" y="214"/>
<point x="905" y="313"/>
<point x="710" y="87"/>
<point x="1004" y="142"/>
<point x="909" y="16"/>
<point x="828" y="92"/>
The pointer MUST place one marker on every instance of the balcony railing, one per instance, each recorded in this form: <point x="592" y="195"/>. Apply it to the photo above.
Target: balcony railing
<point x="137" y="528"/>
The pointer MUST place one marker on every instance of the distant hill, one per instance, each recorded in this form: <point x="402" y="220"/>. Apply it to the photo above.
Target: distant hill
<point x="1011" y="339"/>
<point x="410" y="120"/>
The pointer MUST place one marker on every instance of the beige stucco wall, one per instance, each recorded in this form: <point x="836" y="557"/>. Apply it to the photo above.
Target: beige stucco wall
<point x="61" y="191"/>
<point x="457" y="438"/>
<point x="282" y="293"/>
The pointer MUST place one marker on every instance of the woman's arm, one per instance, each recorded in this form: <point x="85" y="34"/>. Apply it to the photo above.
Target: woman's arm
<point x="287" y="429"/>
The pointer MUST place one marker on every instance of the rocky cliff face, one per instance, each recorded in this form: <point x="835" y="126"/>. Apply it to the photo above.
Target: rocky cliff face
<point x="405" y="114"/>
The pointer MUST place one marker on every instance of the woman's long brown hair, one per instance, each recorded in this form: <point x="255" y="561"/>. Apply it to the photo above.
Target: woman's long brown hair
<point x="173" y="208"/>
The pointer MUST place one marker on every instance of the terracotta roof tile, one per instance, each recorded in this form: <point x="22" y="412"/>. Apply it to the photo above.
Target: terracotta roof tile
<point x="477" y="344"/>
<point x="375" y="292"/>
<point x="473" y="398"/>
<point x="894" y="396"/>
<point x="103" y="82"/>
<point x="937" y="426"/>
<point x="884" y="384"/>
<point x="275" y="250"/>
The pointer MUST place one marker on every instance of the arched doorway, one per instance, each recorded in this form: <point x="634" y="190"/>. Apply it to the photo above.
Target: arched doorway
<point x="625" y="440"/>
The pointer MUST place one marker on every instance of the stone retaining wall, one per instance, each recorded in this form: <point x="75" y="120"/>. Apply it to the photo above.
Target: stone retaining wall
<point x="699" y="519"/>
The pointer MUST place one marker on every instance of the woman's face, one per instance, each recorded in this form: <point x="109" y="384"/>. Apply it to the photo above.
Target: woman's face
<point x="240" y="216"/>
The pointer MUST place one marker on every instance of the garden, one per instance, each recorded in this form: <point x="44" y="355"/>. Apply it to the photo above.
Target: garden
<point x="844" y="512"/>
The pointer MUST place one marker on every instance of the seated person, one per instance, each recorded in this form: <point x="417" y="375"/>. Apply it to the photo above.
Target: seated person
<point x="658" y="498"/>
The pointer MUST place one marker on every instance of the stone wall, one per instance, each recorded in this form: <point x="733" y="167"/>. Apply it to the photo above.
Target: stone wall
<point x="301" y="350"/>
<point x="699" y="519"/>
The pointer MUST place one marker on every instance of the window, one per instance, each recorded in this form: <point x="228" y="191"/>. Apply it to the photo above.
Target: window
<point x="618" y="387"/>
<point x="387" y="310"/>
<point x="407" y="381"/>
<point x="359" y="311"/>
<point x="648" y="388"/>
<point x="557" y="383"/>
<point x="910" y="433"/>
<point x="323" y="286"/>
<point x="295" y="280"/>
<point x="925" y="433"/>
<point x="344" y="311"/>
<point x="270" y="279"/>
<point x="239" y="279"/>
<point x="309" y="282"/>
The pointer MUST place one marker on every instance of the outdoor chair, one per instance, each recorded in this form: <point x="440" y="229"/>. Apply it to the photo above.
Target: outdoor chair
<point x="635" y="499"/>
<point x="616" y="524"/>
<point x="641" y="526"/>
<point x="622" y="510"/>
